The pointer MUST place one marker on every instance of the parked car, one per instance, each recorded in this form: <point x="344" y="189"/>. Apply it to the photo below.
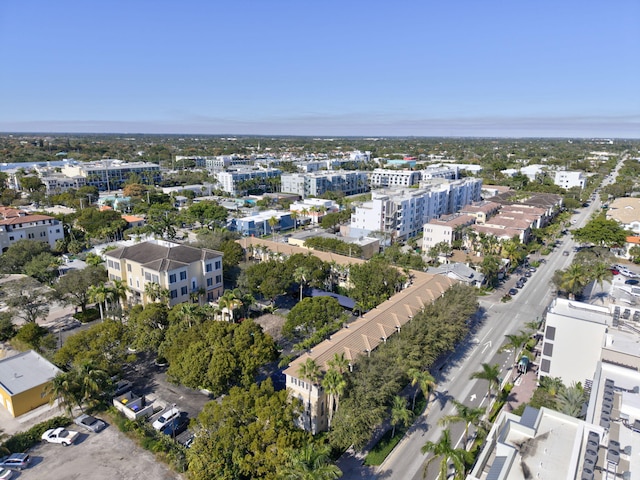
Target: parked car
<point x="513" y="291"/>
<point x="163" y="419"/>
<point x="523" y="279"/>
<point x="176" y="425"/>
<point x="60" y="435"/>
<point x="5" y="474"/>
<point x="565" y="253"/>
<point x="519" y="284"/>
<point x="92" y="424"/>
<point x="527" y="273"/>
<point x="632" y="281"/>
<point x="615" y="271"/>
<point x="15" y="461"/>
<point x="121" y="387"/>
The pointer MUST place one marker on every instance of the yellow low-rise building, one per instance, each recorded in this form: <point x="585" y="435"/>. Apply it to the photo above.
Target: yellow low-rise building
<point x="24" y="379"/>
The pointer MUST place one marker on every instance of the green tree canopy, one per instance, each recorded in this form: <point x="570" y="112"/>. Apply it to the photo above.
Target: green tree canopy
<point x="374" y="282"/>
<point x="21" y="253"/>
<point x="312" y="314"/>
<point x="602" y="232"/>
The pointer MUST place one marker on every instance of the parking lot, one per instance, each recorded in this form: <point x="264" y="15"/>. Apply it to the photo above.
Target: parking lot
<point x="96" y="456"/>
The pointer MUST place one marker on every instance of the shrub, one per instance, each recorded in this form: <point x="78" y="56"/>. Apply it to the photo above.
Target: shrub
<point x="88" y="315"/>
<point x="22" y="441"/>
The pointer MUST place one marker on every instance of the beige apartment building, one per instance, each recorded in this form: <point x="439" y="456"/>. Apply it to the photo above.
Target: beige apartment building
<point x="189" y="274"/>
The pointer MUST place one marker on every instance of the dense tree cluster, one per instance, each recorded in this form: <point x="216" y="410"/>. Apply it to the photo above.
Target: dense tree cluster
<point x="602" y="232"/>
<point x="374" y="282"/>
<point x="334" y="245"/>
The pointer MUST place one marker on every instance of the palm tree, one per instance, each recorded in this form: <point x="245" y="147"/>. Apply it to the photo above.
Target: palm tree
<point x="571" y="400"/>
<point x="445" y="452"/>
<point x="339" y="362"/>
<point x="228" y="302"/>
<point x="65" y="389"/>
<point x="93" y="381"/>
<point x="119" y="291"/>
<point x="334" y="384"/>
<point x="553" y="385"/>
<point x="425" y="381"/>
<point x="187" y="312"/>
<point x="490" y="373"/>
<point x="574" y="279"/>
<point x="300" y="275"/>
<point x="400" y="413"/>
<point x="515" y="342"/>
<point x="99" y="295"/>
<point x="294" y="217"/>
<point x="468" y="415"/>
<point x="600" y="272"/>
<point x="312" y="462"/>
<point x="310" y="371"/>
<point x="273" y="222"/>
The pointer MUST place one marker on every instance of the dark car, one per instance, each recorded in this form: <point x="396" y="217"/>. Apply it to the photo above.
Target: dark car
<point x="15" y="461"/>
<point x="631" y="281"/>
<point x="523" y="279"/>
<point x="90" y="423"/>
<point x="176" y="425"/>
<point x="513" y="291"/>
<point x="519" y="285"/>
<point x="527" y="273"/>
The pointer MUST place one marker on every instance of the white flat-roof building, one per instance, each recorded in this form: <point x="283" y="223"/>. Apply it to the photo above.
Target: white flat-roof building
<point x="230" y="179"/>
<point x="567" y="180"/>
<point x="111" y="174"/>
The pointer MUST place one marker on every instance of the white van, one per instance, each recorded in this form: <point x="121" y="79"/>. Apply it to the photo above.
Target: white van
<point x="164" y="419"/>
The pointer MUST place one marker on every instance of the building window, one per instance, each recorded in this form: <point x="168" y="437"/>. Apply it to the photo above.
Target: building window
<point x="147" y="276"/>
<point x="183" y="275"/>
<point x="209" y="282"/>
<point x="218" y="264"/>
<point x="208" y="267"/>
<point x="155" y="279"/>
<point x="173" y="294"/>
<point x="11" y="238"/>
<point x="128" y="267"/>
<point x="172" y="278"/>
<point x="218" y="279"/>
<point x="31" y="235"/>
<point x="184" y="290"/>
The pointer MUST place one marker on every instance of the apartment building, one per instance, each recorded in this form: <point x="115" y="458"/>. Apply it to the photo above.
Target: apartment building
<point x="402" y="213"/>
<point x="111" y="174"/>
<point x="315" y="184"/>
<point x="19" y="225"/>
<point x="59" y="183"/>
<point x="188" y="273"/>
<point x="567" y="180"/>
<point x="359" y="338"/>
<point x="445" y="229"/>
<point x="382" y="177"/>
<point x="229" y="179"/>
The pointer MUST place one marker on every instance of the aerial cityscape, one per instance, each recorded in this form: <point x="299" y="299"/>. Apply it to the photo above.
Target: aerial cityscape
<point x="246" y="240"/>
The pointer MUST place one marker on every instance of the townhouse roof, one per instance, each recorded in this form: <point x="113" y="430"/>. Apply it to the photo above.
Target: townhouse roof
<point x="374" y="327"/>
<point x="163" y="257"/>
<point x="485" y="206"/>
<point x="497" y="231"/>
<point x="25" y="219"/>
<point x="524" y="209"/>
<point x="25" y="371"/>
<point x="542" y="200"/>
<point x="509" y="221"/>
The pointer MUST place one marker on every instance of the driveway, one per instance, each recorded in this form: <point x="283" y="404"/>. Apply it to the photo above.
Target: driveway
<point x="98" y="456"/>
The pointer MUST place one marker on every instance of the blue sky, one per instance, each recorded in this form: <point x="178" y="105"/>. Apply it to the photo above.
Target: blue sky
<point x="349" y="67"/>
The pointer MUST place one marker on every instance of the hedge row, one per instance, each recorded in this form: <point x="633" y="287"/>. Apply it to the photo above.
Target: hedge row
<point x="23" y="441"/>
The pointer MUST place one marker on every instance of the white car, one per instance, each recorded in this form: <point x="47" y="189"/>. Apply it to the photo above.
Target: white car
<point x="60" y="435"/>
<point x="167" y="416"/>
<point x="5" y="474"/>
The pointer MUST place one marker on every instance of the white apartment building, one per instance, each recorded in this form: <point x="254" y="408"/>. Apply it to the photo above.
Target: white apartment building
<point x="448" y="172"/>
<point x="230" y="179"/>
<point x="315" y="184"/>
<point x="18" y="225"/>
<point x="402" y="213"/>
<point x="58" y="183"/>
<point x="569" y="180"/>
<point x="111" y="174"/>
<point x="188" y="273"/>
<point x="444" y="229"/>
<point x="382" y="177"/>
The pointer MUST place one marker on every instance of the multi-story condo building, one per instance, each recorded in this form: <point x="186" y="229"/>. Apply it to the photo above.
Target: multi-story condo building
<point x="112" y="174"/>
<point x="569" y="180"/>
<point x="445" y="229"/>
<point x="221" y="162"/>
<point x="58" y="183"/>
<point x="19" y="225"/>
<point x="402" y="213"/>
<point x="230" y="179"/>
<point x="316" y="183"/>
<point x="440" y="171"/>
<point x="382" y="177"/>
<point x="188" y="273"/>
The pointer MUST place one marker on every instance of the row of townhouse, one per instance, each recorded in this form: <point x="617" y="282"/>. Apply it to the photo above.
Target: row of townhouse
<point x="402" y="213"/>
<point x="596" y="347"/>
<point x="18" y="225"/>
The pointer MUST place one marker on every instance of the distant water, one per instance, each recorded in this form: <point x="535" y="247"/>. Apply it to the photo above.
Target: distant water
<point x="28" y="165"/>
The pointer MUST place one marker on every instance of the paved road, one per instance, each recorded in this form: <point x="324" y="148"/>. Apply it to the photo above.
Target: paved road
<point x="496" y="320"/>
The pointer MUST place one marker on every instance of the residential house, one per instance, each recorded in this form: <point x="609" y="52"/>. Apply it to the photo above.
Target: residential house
<point x="18" y="225"/>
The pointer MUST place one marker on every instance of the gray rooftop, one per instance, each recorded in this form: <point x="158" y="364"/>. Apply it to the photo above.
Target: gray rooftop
<point x="163" y="257"/>
<point x="25" y="371"/>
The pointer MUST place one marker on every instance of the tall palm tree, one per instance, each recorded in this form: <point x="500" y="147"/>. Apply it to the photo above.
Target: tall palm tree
<point x="99" y="295"/>
<point x="301" y="276"/>
<point x="334" y="383"/>
<point x="93" y="381"/>
<point x="310" y="371"/>
<point x="119" y="290"/>
<point x="574" y="279"/>
<point x="339" y="362"/>
<point x="468" y="415"/>
<point x="273" y="223"/>
<point x="228" y="302"/>
<point x="490" y="373"/>
<point x="187" y="312"/>
<point x="600" y="272"/>
<point x="571" y="400"/>
<point x="311" y="462"/>
<point x="515" y="342"/>
<point x="444" y="451"/>
<point x="400" y="414"/>
<point x="65" y="389"/>
<point x="425" y="381"/>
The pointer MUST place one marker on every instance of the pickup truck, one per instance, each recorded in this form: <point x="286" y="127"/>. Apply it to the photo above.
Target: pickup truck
<point x="60" y="435"/>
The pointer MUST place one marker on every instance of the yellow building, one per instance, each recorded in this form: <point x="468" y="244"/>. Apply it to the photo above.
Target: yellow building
<point x="23" y="382"/>
<point x="187" y="273"/>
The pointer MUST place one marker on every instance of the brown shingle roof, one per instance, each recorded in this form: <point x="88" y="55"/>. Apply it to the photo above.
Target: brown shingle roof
<point x="161" y="258"/>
